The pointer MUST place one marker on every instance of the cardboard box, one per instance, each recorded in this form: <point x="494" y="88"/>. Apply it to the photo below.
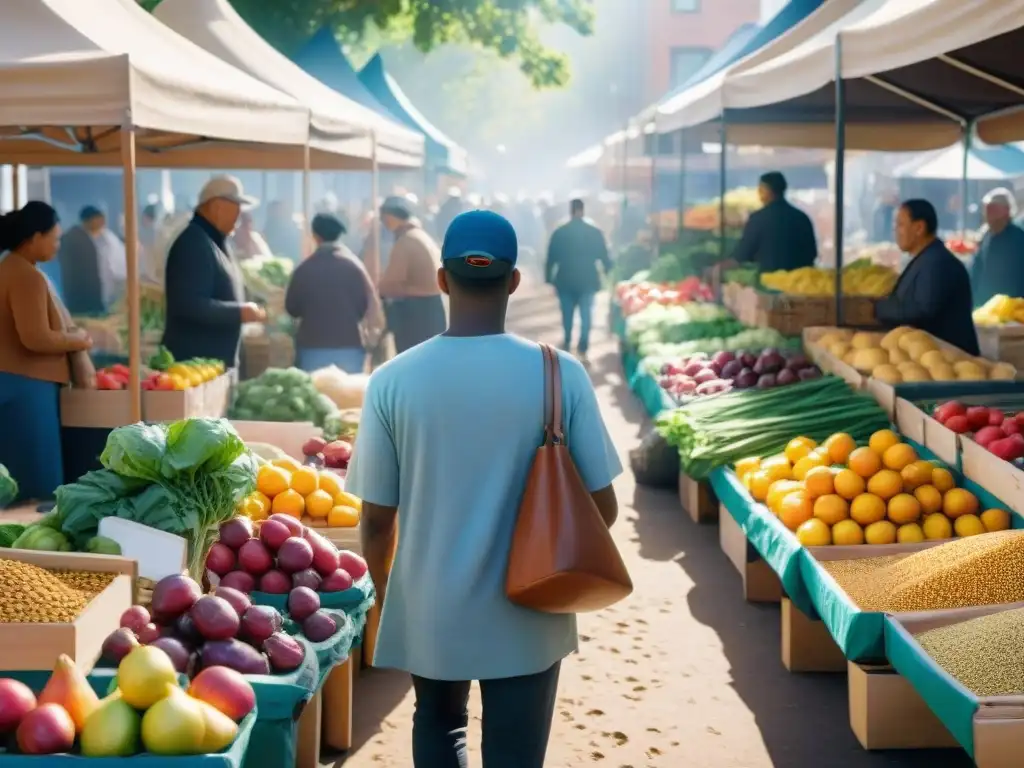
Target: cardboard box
<point x="697" y="499"/>
<point x="95" y="408"/>
<point x="942" y="441"/>
<point x="998" y="723"/>
<point x="807" y="645"/>
<point x="910" y="420"/>
<point x="1000" y="478"/>
<point x="760" y="583"/>
<point x="826" y="360"/>
<point x="887" y="713"/>
<point x="288" y="436"/>
<point x="884" y="394"/>
<point x="30" y="646"/>
<point x="210" y="400"/>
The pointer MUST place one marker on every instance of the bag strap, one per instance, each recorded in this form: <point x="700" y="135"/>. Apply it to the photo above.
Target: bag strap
<point x="554" y="433"/>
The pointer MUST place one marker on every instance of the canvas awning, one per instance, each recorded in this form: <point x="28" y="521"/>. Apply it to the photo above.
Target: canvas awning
<point x="931" y="65"/>
<point x="983" y="164"/>
<point x="442" y="153"/>
<point x="73" y="73"/>
<point x="340" y="127"/>
<point x="701" y="101"/>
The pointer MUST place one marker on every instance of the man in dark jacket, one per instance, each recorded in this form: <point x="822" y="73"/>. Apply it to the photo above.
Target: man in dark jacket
<point x="575" y="250"/>
<point x="934" y="291"/>
<point x="780" y="235"/>
<point x="999" y="263"/>
<point x="332" y="297"/>
<point x="205" y="295"/>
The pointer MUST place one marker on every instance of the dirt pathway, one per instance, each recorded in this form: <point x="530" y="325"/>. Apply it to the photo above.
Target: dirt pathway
<point x="684" y="673"/>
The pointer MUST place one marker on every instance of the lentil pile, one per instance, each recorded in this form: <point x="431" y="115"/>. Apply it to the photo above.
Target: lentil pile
<point x="977" y="570"/>
<point x="35" y="595"/>
<point x="986" y="654"/>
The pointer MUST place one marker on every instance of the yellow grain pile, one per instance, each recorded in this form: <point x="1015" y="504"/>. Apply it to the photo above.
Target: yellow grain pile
<point x="32" y="594"/>
<point x="986" y="655"/>
<point x="978" y="570"/>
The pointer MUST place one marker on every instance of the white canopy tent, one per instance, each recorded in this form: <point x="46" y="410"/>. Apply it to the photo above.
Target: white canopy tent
<point x="72" y="74"/>
<point x="343" y="131"/>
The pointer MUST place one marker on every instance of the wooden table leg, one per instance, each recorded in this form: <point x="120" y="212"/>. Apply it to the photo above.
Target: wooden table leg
<point x="337" y="696"/>
<point x="370" y="634"/>
<point x="307" y="753"/>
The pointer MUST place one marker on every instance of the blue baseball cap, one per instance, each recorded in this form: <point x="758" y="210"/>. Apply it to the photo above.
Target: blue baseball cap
<point x="480" y="244"/>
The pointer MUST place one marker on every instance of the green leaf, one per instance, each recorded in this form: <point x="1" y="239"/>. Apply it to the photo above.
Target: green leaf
<point x="136" y="450"/>
<point x="207" y="445"/>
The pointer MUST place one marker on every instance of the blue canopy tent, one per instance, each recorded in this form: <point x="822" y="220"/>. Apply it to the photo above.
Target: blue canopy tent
<point x="323" y="59"/>
<point x="443" y="154"/>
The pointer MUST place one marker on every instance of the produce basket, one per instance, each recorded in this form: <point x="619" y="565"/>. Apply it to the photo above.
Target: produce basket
<point x="789" y="315"/>
<point x="988" y="728"/>
<point x="859" y="311"/>
<point x="859" y="633"/>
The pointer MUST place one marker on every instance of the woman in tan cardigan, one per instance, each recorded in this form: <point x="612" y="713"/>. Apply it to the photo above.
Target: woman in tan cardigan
<point x="34" y="348"/>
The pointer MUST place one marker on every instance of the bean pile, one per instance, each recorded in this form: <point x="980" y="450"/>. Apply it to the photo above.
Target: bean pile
<point x="977" y="570"/>
<point x="31" y="594"/>
<point x="986" y="655"/>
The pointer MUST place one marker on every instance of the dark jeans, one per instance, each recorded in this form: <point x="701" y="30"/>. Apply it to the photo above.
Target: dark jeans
<point x="569" y="301"/>
<point x="517" y="715"/>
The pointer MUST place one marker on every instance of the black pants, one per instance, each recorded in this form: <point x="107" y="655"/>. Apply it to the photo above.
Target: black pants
<point x="415" y="320"/>
<point x="517" y="715"/>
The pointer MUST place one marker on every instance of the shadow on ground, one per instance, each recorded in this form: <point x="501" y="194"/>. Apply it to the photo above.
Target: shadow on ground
<point x="377" y="693"/>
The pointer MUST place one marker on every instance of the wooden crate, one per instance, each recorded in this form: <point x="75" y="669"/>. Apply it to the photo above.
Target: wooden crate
<point x="1004" y="344"/>
<point x="36" y="646"/>
<point x="697" y="499"/>
<point x="789" y="315"/>
<point x="859" y="311"/>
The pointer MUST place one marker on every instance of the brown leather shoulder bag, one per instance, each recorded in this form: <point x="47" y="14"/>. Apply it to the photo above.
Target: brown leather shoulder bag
<point x="563" y="558"/>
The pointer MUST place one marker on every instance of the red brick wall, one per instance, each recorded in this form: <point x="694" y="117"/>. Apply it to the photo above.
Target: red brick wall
<point x="708" y="28"/>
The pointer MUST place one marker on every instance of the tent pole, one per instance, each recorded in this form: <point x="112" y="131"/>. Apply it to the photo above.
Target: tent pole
<point x="682" y="182"/>
<point x="374" y="268"/>
<point x="654" y="207"/>
<point x="968" y="139"/>
<point x="131" y="252"/>
<point x="839" y="177"/>
<point x="307" y="204"/>
<point x="722" y="189"/>
<point x="16" y="201"/>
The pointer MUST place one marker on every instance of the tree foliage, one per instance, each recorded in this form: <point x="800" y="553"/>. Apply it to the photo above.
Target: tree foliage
<point x="511" y="28"/>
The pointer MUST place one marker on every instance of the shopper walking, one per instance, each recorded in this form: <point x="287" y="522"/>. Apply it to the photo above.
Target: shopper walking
<point x="447" y="435"/>
<point x="575" y="250"/>
<point x="337" y="307"/>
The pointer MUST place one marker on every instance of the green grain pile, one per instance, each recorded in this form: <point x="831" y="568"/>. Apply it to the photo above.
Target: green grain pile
<point x="977" y="570"/>
<point x="986" y="655"/>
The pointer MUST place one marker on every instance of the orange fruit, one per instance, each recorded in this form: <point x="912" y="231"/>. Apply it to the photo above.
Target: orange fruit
<point x="799" y="447"/>
<point x="899" y="456"/>
<point x="287" y="463"/>
<point x="995" y="520"/>
<point x="883" y="440"/>
<point x="885" y="484"/>
<point x="814" y="533"/>
<point x="346" y="499"/>
<point x="943" y="479"/>
<point x="777" y="468"/>
<point x="330" y="482"/>
<point x="930" y="498"/>
<point x="916" y="474"/>
<point x="778" y="491"/>
<point x="968" y="525"/>
<point x="959" y="501"/>
<point x="272" y="480"/>
<point x="319" y="503"/>
<point x="343" y="517"/>
<point x="904" y="508"/>
<point x="847" y="533"/>
<point x="831" y="509"/>
<point x="795" y="510"/>
<point x="848" y="484"/>
<point x="253" y="508"/>
<point x="840" y="446"/>
<point x="305" y="480"/>
<point x="867" y="509"/>
<point x="819" y="482"/>
<point x="806" y="464"/>
<point x="865" y="462"/>
<point x="289" y="502"/>
<point x="759" y="483"/>
<point x="882" y="532"/>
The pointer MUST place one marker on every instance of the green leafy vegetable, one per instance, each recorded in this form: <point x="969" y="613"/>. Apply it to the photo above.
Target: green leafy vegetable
<point x="101" y="545"/>
<point x="9" y="533"/>
<point x="43" y="539"/>
<point x="282" y="394"/>
<point x="8" y="487"/>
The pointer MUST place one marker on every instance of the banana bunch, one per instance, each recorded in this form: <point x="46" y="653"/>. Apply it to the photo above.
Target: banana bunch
<point x="1000" y="310"/>
<point x="858" y="280"/>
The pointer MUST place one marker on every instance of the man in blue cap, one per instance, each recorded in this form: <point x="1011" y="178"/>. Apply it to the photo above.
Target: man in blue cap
<point x="447" y="435"/>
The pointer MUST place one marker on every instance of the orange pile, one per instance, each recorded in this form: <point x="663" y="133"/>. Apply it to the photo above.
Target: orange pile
<point x="316" y="497"/>
<point x="881" y="493"/>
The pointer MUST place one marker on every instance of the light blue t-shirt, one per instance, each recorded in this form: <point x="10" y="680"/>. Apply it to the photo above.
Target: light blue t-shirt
<point x="448" y="433"/>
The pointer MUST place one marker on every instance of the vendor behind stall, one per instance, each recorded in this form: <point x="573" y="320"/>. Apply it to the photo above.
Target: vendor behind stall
<point x="205" y="295"/>
<point x="934" y="291"/>
<point x="332" y="297"/>
<point x="408" y="284"/>
<point x="999" y="263"/>
<point x="779" y="235"/>
<point x="93" y="266"/>
<point x="34" y="347"/>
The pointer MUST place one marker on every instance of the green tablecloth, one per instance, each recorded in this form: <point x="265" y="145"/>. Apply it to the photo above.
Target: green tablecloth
<point x="359" y="597"/>
<point x="645" y="386"/>
<point x="953" y="704"/>
<point x="616" y="321"/>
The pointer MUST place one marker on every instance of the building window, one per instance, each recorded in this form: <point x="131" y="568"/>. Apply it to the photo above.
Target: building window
<point x="686" y="6"/>
<point x="686" y="62"/>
